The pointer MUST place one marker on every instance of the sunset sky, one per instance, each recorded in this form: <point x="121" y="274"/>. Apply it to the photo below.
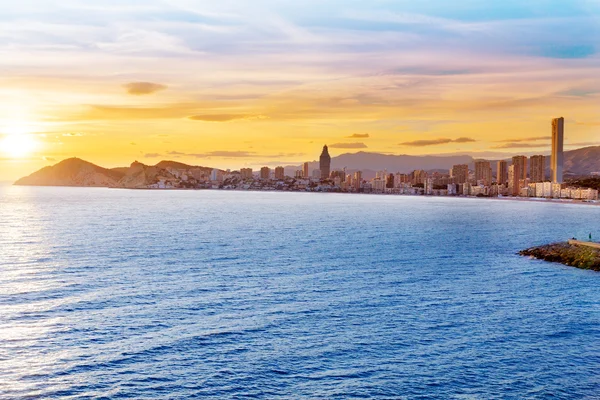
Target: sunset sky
<point x="235" y="83"/>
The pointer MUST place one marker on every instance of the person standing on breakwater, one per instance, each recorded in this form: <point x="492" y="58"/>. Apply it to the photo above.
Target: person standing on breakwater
<point x="590" y="236"/>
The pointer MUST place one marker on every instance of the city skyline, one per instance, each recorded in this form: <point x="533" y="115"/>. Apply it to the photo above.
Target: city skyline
<point x="219" y="84"/>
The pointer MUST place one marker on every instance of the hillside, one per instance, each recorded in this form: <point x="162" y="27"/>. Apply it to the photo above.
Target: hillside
<point x="72" y="172"/>
<point x="583" y="161"/>
<point x="77" y="172"/>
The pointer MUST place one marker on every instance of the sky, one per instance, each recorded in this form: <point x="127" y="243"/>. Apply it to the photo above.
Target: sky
<point x="236" y="83"/>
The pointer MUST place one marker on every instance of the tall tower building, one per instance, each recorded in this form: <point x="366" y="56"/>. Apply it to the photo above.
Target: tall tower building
<point x="460" y="173"/>
<point x="305" y="170"/>
<point x="556" y="162"/>
<point x="279" y="173"/>
<point x="537" y="169"/>
<point x="483" y="172"/>
<point x="502" y="173"/>
<point x="521" y="164"/>
<point x="325" y="163"/>
<point x="265" y="173"/>
<point x="357" y="179"/>
<point x="514" y="173"/>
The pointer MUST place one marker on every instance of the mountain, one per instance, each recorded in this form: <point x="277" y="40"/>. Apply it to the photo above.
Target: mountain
<point x="77" y="172"/>
<point x="369" y="163"/>
<point x="582" y="161"/>
<point x="72" y="172"/>
<point x="578" y="162"/>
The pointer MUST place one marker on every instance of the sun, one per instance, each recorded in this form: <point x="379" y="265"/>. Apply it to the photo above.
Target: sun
<point x="18" y="145"/>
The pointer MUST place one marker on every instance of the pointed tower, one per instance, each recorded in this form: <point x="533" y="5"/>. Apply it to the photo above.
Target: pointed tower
<point x="325" y="163"/>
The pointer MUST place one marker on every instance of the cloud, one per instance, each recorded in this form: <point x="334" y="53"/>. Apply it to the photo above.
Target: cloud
<point x="358" y="136"/>
<point x="226" y="117"/>
<point x="233" y="154"/>
<point x="434" y="142"/>
<point x="529" y="139"/>
<point x="348" y="146"/>
<point x="152" y="155"/>
<point x="519" y="145"/>
<point x="143" y="88"/>
<point x="46" y="158"/>
<point x="71" y="134"/>
<point x="464" y="140"/>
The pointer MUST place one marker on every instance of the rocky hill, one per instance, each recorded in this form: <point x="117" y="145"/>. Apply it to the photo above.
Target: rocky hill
<point x="72" y="172"/>
<point x="77" y="172"/>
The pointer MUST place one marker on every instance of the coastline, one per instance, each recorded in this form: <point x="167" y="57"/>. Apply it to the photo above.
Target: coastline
<point x="503" y="198"/>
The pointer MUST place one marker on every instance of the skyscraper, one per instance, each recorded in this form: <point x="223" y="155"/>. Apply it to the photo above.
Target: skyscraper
<point x="537" y="169"/>
<point x="460" y="173"/>
<point x="357" y="180"/>
<point x="513" y="179"/>
<point x="502" y="173"/>
<point x="521" y="165"/>
<point x="483" y="172"/>
<point x="246" y="173"/>
<point x="279" y="173"/>
<point x="556" y="162"/>
<point x="265" y="173"/>
<point x="325" y="163"/>
<point x="305" y="170"/>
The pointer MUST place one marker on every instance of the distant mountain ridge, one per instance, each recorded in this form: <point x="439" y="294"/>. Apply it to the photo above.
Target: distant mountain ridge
<point x="576" y="162"/>
<point x="77" y="172"/>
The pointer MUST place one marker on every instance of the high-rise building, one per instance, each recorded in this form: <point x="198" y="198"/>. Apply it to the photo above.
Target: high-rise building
<point x="246" y="173"/>
<point x="325" y="163"/>
<point x="305" y="170"/>
<point x="513" y="184"/>
<point x="460" y="173"/>
<point x="357" y="179"/>
<point x="502" y="173"/>
<point x="517" y="178"/>
<point x="483" y="172"/>
<point x="556" y="162"/>
<point x="521" y="163"/>
<point x="418" y="177"/>
<point x="390" y="181"/>
<point x="279" y="173"/>
<point x="265" y="173"/>
<point x="338" y="174"/>
<point x="299" y="174"/>
<point x="537" y="169"/>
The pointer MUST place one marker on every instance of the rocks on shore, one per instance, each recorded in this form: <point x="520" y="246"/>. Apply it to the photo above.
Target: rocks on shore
<point x="579" y="256"/>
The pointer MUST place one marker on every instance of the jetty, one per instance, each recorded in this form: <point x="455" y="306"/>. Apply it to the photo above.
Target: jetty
<point x="575" y="253"/>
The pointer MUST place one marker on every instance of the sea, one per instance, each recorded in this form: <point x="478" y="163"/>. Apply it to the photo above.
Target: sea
<point x="148" y="294"/>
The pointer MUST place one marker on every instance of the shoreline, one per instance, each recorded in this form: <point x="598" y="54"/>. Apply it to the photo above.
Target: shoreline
<point x="503" y="198"/>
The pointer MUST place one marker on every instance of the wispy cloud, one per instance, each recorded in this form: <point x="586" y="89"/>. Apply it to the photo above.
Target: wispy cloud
<point x="358" y="136"/>
<point x="464" y="140"/>
<point x="152" y="155"/>
<point x="519" y="145"/>
<point x="226" y="117"/>
<point x="527" y="139"/>
<point x="233" y="154"/>
<point x="348" y="146"/>
<point x="143" y="88"/>
<point x="435" y="142"/>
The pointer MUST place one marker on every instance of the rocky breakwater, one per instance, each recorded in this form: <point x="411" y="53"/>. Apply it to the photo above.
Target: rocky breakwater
<point x="584" y="255"/>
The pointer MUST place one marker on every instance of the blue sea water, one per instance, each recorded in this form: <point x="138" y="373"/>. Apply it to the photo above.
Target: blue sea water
<point x="186" y="294"/>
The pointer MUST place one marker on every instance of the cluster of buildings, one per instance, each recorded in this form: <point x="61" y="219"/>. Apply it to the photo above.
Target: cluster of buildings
<point x="521" y="177"/>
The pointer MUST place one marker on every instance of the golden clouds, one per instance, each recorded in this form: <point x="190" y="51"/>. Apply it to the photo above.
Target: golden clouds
<point x="143" y="88"/>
